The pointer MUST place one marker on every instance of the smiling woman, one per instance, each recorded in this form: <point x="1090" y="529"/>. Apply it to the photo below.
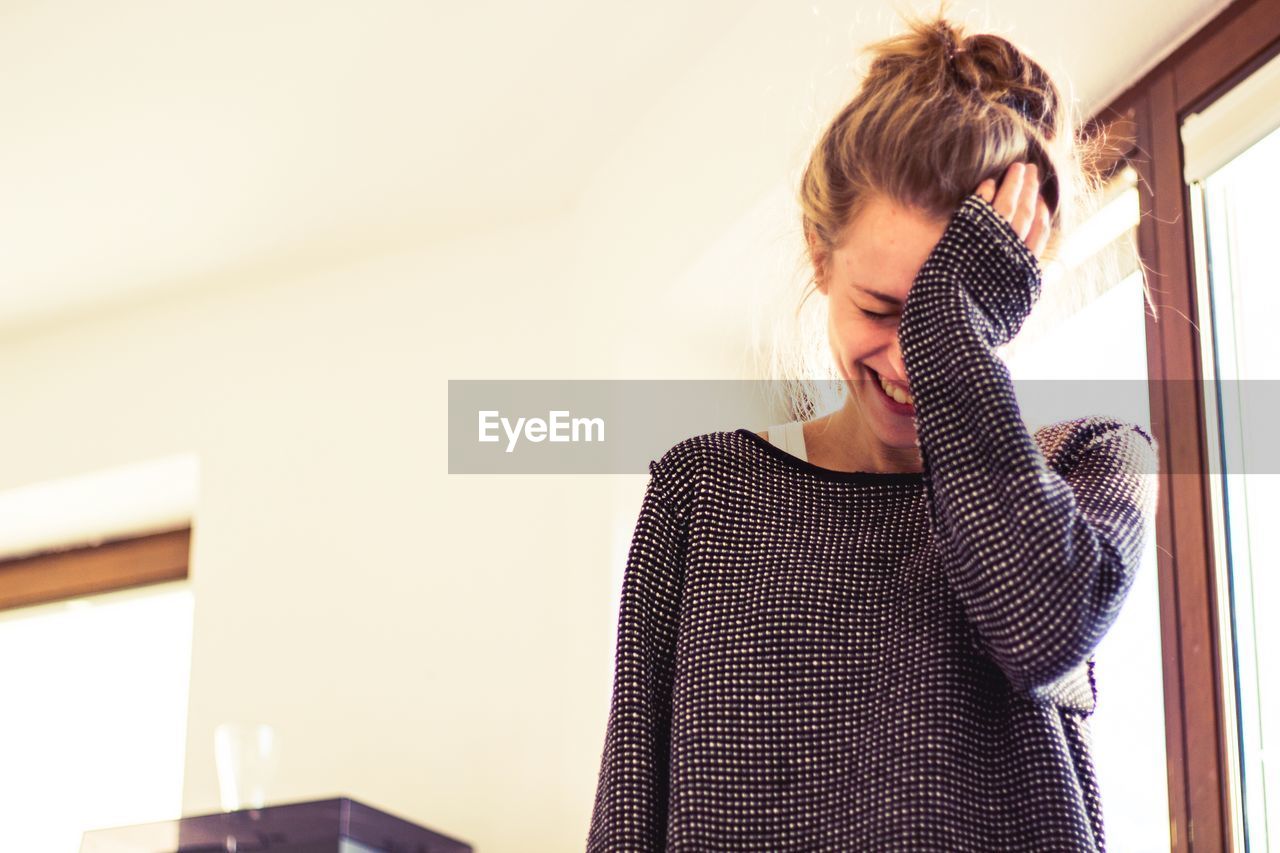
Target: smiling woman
<point x="887" y="644"/>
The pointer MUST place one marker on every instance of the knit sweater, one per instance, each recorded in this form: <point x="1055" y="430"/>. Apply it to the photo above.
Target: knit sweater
<point x="817" y="660"/>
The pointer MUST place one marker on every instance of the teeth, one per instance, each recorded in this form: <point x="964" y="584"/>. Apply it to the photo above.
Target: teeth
<point x="896" y="393"/>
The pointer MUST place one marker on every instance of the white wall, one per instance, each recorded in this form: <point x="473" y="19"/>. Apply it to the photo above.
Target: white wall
<point x="437" y="646"/>
<point x="421" y="642"/>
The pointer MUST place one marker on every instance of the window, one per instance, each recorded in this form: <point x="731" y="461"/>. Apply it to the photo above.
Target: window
<point x="93" y="726"/>
<point x="95" y="651"/>
<point x="1232" y="167"/>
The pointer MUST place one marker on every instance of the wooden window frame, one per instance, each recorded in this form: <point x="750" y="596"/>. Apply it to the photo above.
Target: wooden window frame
<point x="1145" y="120"/>
<point x="88" y="570"/>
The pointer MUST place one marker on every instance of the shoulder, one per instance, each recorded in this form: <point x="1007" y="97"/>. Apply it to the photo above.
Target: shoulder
<point x="1071" y="443"/>
<point x="681" y="472"/>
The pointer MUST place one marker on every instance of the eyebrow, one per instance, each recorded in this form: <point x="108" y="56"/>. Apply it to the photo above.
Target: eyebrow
<point x="883" y="297"/>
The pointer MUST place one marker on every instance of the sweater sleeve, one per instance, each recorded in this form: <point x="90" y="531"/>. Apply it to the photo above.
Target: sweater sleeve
<point x="1040" y="561"/>
<point x="631" y="794"/>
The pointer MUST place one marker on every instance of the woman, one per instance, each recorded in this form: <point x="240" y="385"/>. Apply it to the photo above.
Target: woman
<point x="874" y="631"/>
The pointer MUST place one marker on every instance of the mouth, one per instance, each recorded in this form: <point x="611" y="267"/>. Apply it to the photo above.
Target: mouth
<point x="895" y="397"/>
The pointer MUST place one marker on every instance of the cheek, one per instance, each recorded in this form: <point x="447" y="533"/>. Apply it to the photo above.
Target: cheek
<point x="852" y="334"/>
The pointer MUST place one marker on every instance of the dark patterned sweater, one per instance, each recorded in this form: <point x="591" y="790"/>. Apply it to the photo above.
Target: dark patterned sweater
<point x="810" y="659"/>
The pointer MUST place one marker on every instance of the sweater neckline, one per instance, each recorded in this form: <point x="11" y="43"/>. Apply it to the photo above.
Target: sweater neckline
<point x="807" y="467"/>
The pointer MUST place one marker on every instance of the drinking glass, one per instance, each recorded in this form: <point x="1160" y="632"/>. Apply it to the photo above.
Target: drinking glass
<point x="247" y="756"/>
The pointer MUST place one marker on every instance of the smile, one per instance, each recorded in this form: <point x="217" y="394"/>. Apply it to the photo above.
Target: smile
<point x="895" y="398"/>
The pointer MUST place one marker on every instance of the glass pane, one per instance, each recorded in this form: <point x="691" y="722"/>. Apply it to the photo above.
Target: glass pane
<point x="100" y="739"/>
<point x="1059" y="346"/>
<point x="1235" y="211"/>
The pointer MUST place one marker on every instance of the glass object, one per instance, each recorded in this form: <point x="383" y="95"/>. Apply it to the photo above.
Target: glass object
<point x="247" y="757"/>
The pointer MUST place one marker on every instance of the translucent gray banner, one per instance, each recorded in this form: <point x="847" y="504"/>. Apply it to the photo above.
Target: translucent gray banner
<point x="616" y="426"/>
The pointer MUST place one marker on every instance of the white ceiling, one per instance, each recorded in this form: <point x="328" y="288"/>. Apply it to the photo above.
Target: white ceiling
<point x="156" y="145"/>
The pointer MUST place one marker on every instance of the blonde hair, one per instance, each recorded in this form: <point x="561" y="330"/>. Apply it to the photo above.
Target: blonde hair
<point x="938" y="112"/>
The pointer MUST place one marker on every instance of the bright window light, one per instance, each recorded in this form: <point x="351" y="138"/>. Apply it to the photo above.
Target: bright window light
<point x="93" y="725"/>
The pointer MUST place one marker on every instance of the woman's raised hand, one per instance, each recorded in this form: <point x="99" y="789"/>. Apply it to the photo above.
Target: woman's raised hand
<point x="1019" y="201"/>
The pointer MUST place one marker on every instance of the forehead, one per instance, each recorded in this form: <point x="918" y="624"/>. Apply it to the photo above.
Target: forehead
<point x="885" y="245"/>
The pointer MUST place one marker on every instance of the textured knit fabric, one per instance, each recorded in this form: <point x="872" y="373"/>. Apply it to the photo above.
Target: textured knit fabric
<point x="810" y="659"/>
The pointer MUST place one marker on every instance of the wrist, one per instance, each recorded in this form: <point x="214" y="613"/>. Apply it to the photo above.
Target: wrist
<point x="981" y="252"/>
<point x="1001" y="274"/>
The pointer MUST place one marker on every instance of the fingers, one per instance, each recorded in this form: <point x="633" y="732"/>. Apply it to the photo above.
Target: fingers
<point x="1009" y="196"/>
<point x="1038" y="237"/>
<point x="1019" y="201"/>
<point x="1024" y="209"/>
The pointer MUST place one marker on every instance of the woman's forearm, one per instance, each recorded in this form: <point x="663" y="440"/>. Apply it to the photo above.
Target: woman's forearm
<point x="1040" y="560"/>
